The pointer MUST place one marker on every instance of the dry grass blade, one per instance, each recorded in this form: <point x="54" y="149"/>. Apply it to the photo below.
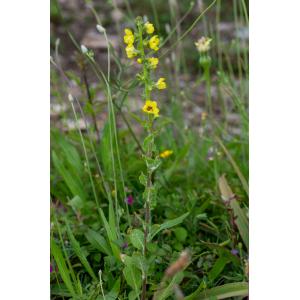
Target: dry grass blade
<point x="229" y="198"/>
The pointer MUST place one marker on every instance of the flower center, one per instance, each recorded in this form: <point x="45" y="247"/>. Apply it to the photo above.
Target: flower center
<point x="149" y="108"/>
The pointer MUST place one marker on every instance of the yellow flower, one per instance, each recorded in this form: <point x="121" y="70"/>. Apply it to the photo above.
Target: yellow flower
<point x="130" y="51"/>
<point x="160" y="84"/>
<point x="154" y="42"/>
<point x="149" y="27"/>
<point x="203" y="116"/>
<point x="150" y="107"/>
<point x="153" y="61"/>
<point x="139" y="60"/>
<point x="128" y="37"/>
<point x="165" y="153"/>
<point x="128" y="31"/>
<point x="203" y="44"/>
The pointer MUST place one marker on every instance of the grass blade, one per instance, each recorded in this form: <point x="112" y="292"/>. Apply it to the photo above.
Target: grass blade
<point x="221" y="292"/>
<point x="112" y="236"/>
<point x="98" y="241"/>
<point x="78" y="251"/>
<point x="62" y="267"/>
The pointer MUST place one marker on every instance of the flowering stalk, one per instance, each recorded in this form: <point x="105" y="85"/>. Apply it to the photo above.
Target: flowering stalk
<point x="203" y="46"/>
<point x="144" y="39"/>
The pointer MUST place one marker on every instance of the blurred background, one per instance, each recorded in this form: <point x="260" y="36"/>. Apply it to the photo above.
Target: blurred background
<point x="226" y="22"/>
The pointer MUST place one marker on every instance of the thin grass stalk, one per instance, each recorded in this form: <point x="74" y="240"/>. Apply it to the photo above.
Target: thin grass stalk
<point x="64" y="250"/>
<point x="86" y="156"/>
<point x="238" y="50"/>
<point x="153" y="6"/>
<point x="112" y="129"/>
<point x="220" y="61"/>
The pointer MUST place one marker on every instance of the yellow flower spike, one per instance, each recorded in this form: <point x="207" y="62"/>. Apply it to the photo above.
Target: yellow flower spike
<point x="131" y="51"/>
<point x="160" y="84"/>
<point x="149" y="27"/>
<point x="153" y="61"/>
<point x="154" y="42"/>
<point x="128" y="37"/>
<point x="203" y="44"/>
<point x="128" y="31"/>
<point x="166" y="153"/>
<point x="150" y="107"/>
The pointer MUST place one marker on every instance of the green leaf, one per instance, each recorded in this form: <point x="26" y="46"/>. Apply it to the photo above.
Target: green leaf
<point x="62" y="267"/>
<point x="137" y="238"/>
<point x="218" y="267"/>
<point x="237" y="289"/>
<point x="241" y="218"/>
<point x="78" y="251"/>
<point x="76" y="203"/>
<point x="180" y="233"/>
<point x="72" y="182"/>
<point x="147" y="141"/>
<point x="133" y="277"/>
<point x="112" y="236"/>
<point x="152" y="164"/>
<point x="98" y="241"/>
<point x="133" y="295"/>
<point x="71" y="155"/>
<point x="169" y="224"/>
<point x="138" y="261"/>
<point x="143" y="179"/>
<point x="114" y="292"/>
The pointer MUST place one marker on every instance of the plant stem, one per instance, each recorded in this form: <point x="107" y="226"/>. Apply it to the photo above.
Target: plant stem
<point x="208" y="90"/>
<point x="87" y="88"/>
<point x="148" y="188"/>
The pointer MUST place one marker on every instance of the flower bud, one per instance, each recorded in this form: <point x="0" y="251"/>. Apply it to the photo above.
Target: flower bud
<point x="205" y="61"/>
<point x="70" y="97"/>
<point x="100" y="28"/>
<point x="84" y="49"/>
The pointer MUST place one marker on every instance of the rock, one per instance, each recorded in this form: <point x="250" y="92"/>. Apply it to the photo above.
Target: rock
<point x="94" y="40"/>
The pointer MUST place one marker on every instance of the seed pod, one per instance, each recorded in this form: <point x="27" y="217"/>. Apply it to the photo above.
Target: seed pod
<point x="179" y="264"/>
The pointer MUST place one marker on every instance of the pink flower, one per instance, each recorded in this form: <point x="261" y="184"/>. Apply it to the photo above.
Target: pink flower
<point x="129" y="200"/>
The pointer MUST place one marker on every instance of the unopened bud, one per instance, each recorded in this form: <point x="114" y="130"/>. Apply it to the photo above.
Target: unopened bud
<point x="100" y="28"/>
<point x="70" y="97"/>
<point x="84" y="49"/>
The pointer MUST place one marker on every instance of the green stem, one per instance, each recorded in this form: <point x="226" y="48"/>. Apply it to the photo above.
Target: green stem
<point x="149" y="152"/>
<point x="207" y="78"/>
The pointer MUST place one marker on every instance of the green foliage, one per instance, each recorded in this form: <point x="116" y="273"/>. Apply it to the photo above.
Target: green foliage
<point x="62" y="267"/>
